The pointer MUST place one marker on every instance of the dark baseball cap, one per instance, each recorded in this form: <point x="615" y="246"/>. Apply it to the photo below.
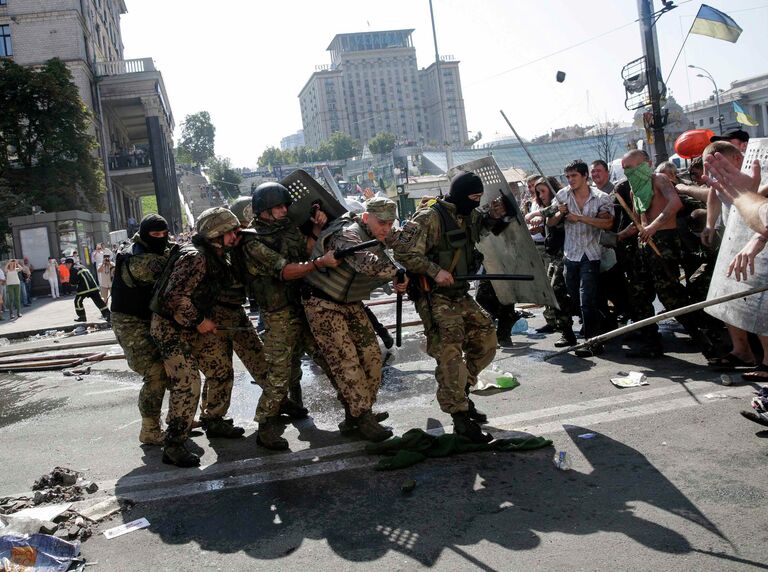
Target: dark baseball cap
<point x="739" y="134"/>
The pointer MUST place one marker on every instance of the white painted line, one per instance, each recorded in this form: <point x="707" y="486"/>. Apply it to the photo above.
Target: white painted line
<point x="356" y="462"/>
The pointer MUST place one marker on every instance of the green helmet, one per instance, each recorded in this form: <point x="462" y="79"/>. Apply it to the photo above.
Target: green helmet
<point x="243" y="210"/>
<point x="215" y="222"/>
<point x="270" y="195"/>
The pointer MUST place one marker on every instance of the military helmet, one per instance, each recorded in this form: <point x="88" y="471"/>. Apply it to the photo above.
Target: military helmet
<point x="243" y="210"/>
<point x="270" y="195"/>
<point x="216" y="222"/>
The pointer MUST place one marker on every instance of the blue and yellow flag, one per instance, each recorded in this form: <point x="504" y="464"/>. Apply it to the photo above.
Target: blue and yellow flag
<point x="742" y="117"/>
<point x="715" y="24"/>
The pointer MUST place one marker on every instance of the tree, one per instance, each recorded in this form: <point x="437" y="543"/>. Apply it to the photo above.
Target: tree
<point x="271" y="156"/>
<point x="197" y="137"/>
<point x="605" y="144"/>
<point x="342" y="146"/>
<point x="47" y="153"/>
<point x="224" y="178"/>
<point x="182" y="156"/>
<point x="382" y="143"/>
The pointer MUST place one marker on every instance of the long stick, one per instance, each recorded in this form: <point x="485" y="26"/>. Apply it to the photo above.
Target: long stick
<point x="658" y="318"/>
<point x="633" y="215"/>
<point x="527" y="152"/>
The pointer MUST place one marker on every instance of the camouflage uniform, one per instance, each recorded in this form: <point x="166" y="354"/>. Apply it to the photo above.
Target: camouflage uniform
<point x="189" y="297"/>
<point x="342" y="330"/>
<point x="287" y="336"/>
<point x="138" y="269"/>
<point x="460" y="334"/>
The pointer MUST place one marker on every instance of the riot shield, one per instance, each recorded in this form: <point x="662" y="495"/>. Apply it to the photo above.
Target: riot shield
<point x="512" y="251"/>
<point x="305" y="192"/>
<point x="746" y="313"/>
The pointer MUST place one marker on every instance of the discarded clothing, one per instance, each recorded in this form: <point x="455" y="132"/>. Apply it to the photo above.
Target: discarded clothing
<point x="417" y="445"/>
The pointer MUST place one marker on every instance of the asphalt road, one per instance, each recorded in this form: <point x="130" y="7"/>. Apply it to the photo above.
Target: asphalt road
<point x="674" y="478"/>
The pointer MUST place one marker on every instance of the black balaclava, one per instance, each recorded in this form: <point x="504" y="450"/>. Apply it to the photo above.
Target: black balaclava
<point x="462" y="185"/>
<point x="153" y="223"/>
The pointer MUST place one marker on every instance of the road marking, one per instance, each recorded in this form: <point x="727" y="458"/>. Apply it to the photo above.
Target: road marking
<point x="131" y="487"/>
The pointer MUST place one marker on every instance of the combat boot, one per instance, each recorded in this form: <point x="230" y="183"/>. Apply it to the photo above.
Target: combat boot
<point x="150" y="434"/>
<point x="178" y="454"/>
<point x="350" y="423"/>
<point x="269" y="435"/>
<point x="370" y="429"/>
<point x="218" y="427"/>
<point x="475" y="414"/>
<point x="464" y="426"/>
<point x="293" y="410"/>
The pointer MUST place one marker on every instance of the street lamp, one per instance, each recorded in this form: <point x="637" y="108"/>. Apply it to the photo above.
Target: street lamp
<point x="708" y="75"/>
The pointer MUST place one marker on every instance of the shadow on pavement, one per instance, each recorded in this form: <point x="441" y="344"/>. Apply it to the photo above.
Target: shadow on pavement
<point x="509" y="499"/>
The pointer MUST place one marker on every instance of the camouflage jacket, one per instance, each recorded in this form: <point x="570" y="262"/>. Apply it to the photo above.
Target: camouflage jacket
<point x="136" y="271"/>
<point x="265" y="254"/>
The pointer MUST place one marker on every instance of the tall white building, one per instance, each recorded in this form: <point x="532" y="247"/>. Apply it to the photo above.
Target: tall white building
<point x="292" y="141"/>
<point x="133" y="122"/>
<point x="373" y="84"/>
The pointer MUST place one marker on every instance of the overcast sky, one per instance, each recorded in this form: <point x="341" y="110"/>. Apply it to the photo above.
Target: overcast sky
<point x="245" y="61"/>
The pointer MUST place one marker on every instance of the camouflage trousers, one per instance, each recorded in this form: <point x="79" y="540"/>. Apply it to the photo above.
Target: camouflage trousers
<point x="286" y="338"/>
<point x="561" y="319"/>
<point x="663" y="274"/>
<point x="461" y="338"/>
<point x="246" y="342"/>
<point x="185" y="353"/>
<point x="345" y="336"/>
<point x="144" y="358"/>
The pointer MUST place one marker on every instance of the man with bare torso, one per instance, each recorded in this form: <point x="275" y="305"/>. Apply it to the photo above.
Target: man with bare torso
<point x="656" y="202"/>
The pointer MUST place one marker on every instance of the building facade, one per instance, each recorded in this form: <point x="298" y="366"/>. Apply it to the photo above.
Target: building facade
<point x="751" y="94"/>
<point x="293" y="141"/>
<point x="372" y="85"/>
<point x="132" y="119"/>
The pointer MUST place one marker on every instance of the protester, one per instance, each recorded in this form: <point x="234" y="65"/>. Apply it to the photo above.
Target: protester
<point x="585" y="211"/>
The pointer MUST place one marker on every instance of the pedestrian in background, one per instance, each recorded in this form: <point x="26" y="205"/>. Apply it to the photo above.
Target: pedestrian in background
<point x="106" y="273"/>
<point x="64" y="276"/>
<point x="52" y="275"/>
<point x="2" y="294"/>
<point x="25" y="276"/>
<point x="13" y="287"/>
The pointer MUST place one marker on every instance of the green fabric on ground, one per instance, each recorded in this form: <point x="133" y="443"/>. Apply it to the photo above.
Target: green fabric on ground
<point x="416" y="445"/>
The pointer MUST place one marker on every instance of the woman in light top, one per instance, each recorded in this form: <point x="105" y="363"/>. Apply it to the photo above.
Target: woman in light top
<point x="52" y="275"/>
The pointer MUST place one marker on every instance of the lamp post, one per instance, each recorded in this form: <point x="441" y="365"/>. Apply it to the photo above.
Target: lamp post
<point x="708" y="75"/>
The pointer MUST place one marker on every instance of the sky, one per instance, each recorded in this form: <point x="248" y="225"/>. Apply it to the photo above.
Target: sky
<point x="245" y="61"/>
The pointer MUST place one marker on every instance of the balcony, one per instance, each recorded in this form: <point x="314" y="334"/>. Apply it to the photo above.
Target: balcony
<point x="120" y="67"/>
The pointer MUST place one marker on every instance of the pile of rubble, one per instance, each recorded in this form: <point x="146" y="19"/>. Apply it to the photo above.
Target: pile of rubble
<point x="61" y="485"/>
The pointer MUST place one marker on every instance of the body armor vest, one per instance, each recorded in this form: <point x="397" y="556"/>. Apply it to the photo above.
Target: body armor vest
<point x="343" y="284"/>
<point x="132" y="300"/>
<point x="218" y="276"/>
<point x="456" y="243"/>
<point x="271" y="293"/>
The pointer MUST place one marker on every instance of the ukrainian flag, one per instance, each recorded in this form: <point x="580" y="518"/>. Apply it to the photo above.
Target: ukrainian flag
<point x="715" y="24"/>
<point x="742" y="117"/>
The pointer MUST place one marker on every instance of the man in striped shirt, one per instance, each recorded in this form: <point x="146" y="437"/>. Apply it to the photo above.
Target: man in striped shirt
<point x="586" y="211"/>
<point x="87" y="287"/>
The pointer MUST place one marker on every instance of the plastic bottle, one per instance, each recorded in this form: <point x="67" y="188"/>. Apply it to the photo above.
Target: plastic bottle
<point x="562" y="461"/>
<point x="520" y="327"/>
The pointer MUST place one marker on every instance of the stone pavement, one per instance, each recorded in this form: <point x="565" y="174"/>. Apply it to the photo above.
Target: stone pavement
<point x="47" y="314"/>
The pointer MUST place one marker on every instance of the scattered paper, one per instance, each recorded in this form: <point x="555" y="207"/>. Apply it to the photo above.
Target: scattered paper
<point x="632" y="379"/>
<point x="126" y="528"/>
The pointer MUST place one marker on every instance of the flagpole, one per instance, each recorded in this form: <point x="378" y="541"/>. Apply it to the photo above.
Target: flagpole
<point x="677" y="57"/>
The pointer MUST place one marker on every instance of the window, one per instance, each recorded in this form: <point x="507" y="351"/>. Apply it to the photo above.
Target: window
<point x="701" y="123"/>
<point x="711" y="120"/>
<point x="5" y="40"/>
<point x="2" y="2"/>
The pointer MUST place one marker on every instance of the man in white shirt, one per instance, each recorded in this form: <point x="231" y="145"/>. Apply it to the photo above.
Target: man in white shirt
<point x="586" y="211"/>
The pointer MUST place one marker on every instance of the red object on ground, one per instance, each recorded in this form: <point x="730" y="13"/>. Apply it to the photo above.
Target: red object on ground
<point x="692" y="143"/>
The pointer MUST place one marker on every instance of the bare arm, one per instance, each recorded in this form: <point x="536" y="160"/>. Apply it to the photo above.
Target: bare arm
<point x="698" y="193"/>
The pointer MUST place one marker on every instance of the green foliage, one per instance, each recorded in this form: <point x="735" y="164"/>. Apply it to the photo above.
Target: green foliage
<point x="182" y="156"/>
<point x="197" y="137"/>
<point x="339" y="146"/>
<point x="149" y="205"/>
<point x="382" y="143"/>
<point x="47" y="153"/>
<point x="224" y="178"/>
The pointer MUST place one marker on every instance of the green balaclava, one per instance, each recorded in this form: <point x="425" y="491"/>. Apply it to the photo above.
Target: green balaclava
<point x="641" y="181"/>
